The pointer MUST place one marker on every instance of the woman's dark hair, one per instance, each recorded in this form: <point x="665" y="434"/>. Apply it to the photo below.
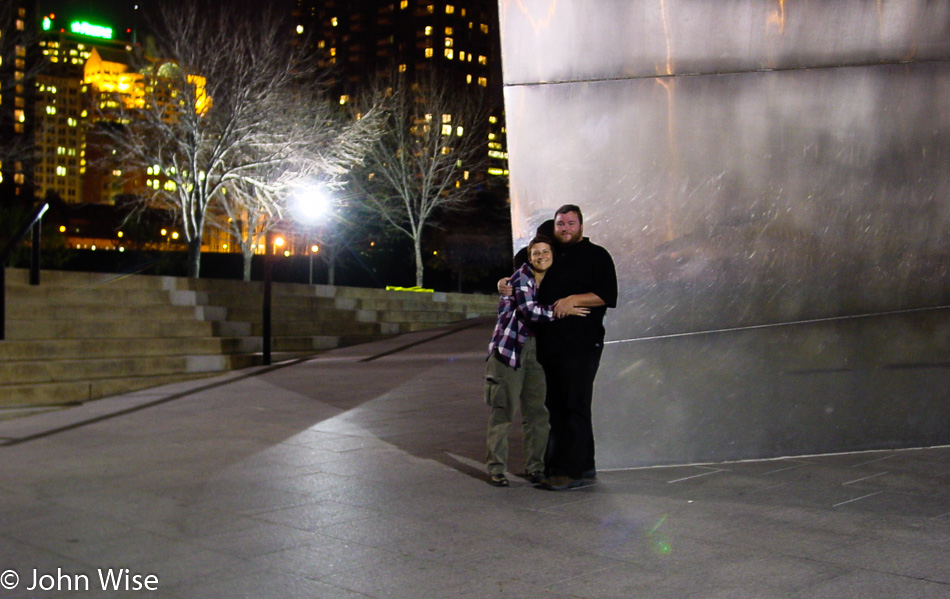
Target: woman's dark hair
<point x="539" y="239"/>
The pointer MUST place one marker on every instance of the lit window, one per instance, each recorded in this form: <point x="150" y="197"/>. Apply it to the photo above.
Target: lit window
<point x="428" y="29"/>
<point x="299" y="29"/>
<point x="61" y="171"/>
<point x="448" y="42"/>
<point x="446" y="129"/>
<point x="334" y="22"/>
<point x="402" y="68"/>
<point x="446" y="118"/>
<point x="449" y="53"/>
<point x="482" y="59"/>
<point x="404" y="4"/>
<point x="484" y="28"/>
<point x="344" y="99"/>
<point x="449" y="9"/>
<point x="448" y="31"/>
<point x="459" y="131"/>
<point x="428" y="52"/>
<point x="468" y="78"/>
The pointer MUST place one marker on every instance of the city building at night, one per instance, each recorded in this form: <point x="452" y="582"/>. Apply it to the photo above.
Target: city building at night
<point x="17" y="64"/>
<point x="62" y="105"/>
<point x="361" y="42"/>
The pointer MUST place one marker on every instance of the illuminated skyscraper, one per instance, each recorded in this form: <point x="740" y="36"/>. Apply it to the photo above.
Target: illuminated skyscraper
<point x="62" y="107"/>
<point x="17" y="64"/>
<point x="362" y="40"/>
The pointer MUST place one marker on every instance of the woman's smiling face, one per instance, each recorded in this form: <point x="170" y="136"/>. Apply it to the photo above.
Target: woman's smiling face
<point x="540" y="257"/>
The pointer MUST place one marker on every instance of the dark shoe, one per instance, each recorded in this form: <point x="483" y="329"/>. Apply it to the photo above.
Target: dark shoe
<point x="498" y="480"/>
<point x="535" y="477"/>
<point x="560" y="483"/>
<point x="589" y="474"/>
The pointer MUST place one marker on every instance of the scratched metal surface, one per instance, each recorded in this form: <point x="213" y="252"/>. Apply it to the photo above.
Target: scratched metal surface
<point x="748" y="164"/>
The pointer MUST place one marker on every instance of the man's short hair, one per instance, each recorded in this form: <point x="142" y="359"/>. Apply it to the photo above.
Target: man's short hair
<point x="571" y="208"/>
<point x="539" y="239"/>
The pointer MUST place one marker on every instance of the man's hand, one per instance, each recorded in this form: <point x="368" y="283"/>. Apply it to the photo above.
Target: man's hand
<point x="564" y="306"/>
<point x="504" y="288"/>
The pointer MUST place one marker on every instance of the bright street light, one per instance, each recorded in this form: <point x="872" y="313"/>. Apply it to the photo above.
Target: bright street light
<point x="310" y="203"/>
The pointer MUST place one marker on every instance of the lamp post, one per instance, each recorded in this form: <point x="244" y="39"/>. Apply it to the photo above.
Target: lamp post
<point x="314" y="248"/>
<point x="309" y="204"/>
<point x="266" y="319"/>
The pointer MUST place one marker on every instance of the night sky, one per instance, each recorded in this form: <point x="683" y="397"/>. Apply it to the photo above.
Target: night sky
<point x="122" y="14"/>
<point x="118" y="14"/>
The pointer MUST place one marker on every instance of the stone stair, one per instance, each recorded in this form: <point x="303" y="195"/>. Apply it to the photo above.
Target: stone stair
<point x="82" y="336"/>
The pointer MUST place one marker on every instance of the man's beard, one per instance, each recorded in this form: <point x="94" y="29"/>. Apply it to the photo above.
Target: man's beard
<point x="571" y="240"/>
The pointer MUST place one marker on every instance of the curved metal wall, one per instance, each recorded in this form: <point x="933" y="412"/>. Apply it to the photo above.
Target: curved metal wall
<point x="772" y="181"/>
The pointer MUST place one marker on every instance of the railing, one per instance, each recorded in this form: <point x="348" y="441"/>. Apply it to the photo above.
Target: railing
<point x="34" y="223"/>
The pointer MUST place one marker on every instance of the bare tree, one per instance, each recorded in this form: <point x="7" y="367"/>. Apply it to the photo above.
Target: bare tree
<point x="213" y="114"/>
<point x="311" y="144"/>
<point x="427" y="161"/>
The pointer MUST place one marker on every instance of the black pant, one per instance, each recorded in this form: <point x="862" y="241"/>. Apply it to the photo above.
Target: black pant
<point x="569" y="374"/>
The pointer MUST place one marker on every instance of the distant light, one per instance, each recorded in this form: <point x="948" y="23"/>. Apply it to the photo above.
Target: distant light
<point x="279" y="242"/>
<point x="314" y="248"/>
<point x="47" y="23"/>
<point x="62" y="229"/>
<point x="174" y="234"/>
<point x="299" y="29"/>
<point x="83" y="28"/>
<point x="120" y="234"/>
<point x="164" y="232"/>
<point x="286" y="253"/>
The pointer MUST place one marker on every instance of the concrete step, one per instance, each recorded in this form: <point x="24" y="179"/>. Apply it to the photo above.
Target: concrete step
<point x="65" y="393"/>
<point x="49" y="371"/>
<point x="106" y="329"/>
<point x="72" y="349"/>
<point x="80" y="336"/>
<point x="76" y="279"/>
<point x="30" y="311"/>
<point x="284" y="312"/>
<point x="85" y="296"/>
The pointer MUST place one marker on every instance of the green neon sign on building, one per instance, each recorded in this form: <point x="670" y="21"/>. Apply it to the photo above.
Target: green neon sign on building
<point x="83" y="28"/>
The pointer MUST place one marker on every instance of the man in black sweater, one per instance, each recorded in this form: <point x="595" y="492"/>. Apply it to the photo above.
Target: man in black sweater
<point x="569" y="349"/>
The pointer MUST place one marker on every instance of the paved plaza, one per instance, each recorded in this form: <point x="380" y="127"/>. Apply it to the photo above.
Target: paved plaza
<point x="358" y="473"/>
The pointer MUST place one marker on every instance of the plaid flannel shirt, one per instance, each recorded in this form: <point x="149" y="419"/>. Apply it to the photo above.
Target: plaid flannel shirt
<point x="514" y="313"/>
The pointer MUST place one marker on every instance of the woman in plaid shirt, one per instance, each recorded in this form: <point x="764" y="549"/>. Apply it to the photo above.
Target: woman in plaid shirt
<point x="513" y="375"/>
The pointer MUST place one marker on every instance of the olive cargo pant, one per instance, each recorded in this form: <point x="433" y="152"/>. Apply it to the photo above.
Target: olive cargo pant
<point x="507" y="389"/>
